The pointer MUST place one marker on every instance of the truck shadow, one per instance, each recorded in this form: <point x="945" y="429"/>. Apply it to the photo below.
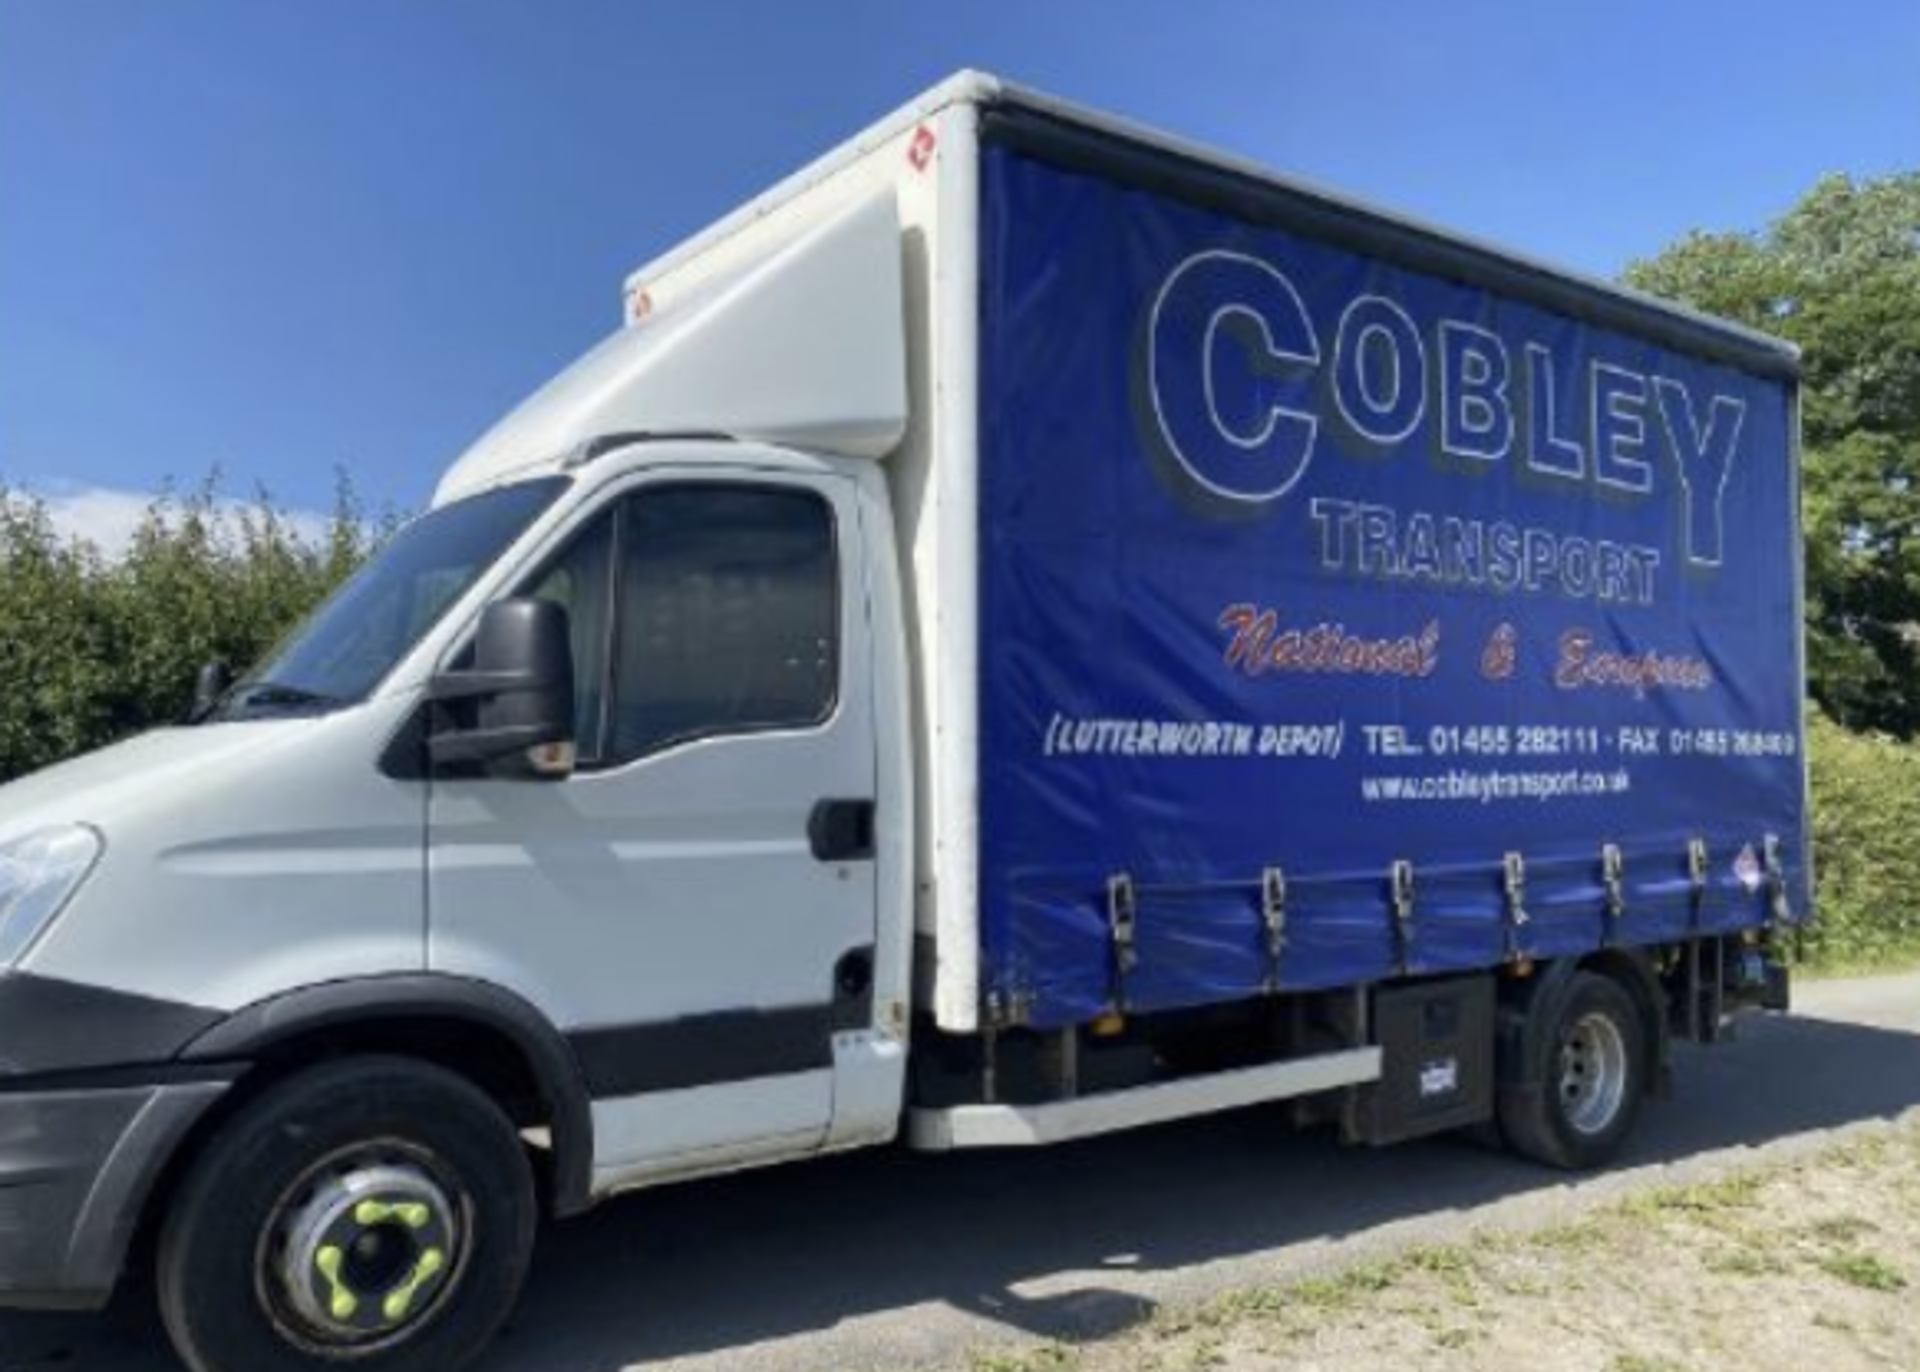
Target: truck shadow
<point x="1042" y="1242"/>
<point x="1036" y="1240"/>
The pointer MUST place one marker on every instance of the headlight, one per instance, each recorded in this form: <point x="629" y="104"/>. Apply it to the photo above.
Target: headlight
<point x="38" y="875"/>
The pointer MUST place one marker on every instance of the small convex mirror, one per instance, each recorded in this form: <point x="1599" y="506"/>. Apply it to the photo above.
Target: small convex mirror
<point x="213" y="682"/>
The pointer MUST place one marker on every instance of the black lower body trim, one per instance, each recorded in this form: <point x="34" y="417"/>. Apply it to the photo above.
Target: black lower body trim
<point x="76" y="1170"/>
<point x="703" y="1050"/>
<point x="65" y="1026"/>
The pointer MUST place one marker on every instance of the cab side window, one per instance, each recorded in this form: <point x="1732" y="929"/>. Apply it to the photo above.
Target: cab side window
<point x="728" y="615"/>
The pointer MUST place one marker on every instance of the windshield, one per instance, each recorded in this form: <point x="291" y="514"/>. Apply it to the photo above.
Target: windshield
<point x="352" y="641"/>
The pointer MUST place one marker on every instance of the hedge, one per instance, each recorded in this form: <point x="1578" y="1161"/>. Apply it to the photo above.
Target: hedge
<point x="1866" y="849"/>
<point x="94" y="648"/>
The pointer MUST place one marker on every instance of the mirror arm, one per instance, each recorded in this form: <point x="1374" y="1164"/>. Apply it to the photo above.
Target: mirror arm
<point x="472" y="685"/>
<point x="482" y="745"/>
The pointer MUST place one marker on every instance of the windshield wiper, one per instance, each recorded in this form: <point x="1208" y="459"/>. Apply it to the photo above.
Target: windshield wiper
<point x="272" y="694"/>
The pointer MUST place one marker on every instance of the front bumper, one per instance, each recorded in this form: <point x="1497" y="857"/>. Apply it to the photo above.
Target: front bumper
<point x="76" y="1168"/>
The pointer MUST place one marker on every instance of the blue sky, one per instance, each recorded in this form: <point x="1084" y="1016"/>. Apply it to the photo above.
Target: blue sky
<point x="293" y="237"/>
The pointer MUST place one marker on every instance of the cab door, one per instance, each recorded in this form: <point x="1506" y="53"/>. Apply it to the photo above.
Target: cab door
<point x="695" y="906"/>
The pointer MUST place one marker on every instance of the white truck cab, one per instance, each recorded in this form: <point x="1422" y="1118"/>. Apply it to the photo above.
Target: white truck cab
<point x="593" y="786"/>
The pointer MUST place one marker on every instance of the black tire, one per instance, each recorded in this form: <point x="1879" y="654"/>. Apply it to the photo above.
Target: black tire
<point x="447" y="1247"/>
<point x="1588" y="1073"/>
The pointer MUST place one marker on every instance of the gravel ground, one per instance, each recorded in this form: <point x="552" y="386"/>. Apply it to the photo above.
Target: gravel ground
<point x="1813" y="1263"/>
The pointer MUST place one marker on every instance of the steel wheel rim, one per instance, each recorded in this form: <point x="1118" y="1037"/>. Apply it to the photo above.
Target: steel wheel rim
<point x="362" y="1299"/>
<point x="1593" y="1073"/>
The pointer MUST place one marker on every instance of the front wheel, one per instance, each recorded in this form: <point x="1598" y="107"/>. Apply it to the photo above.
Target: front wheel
<point x="371" y="1215"/>
<point x="1589" y="1074"/>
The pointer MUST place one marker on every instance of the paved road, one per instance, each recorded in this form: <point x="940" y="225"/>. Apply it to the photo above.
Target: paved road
<point x="882" y="1261"/>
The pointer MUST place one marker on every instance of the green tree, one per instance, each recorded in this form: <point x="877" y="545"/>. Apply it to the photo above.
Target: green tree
<point x="1839" y="275"/>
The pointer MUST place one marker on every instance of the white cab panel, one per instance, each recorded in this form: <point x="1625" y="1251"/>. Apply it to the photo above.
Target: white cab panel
<point x="669" y="913"/>
<point x="804" y="346"/>
<point x="642" y="1140"/>
<point x="242" y="860"/>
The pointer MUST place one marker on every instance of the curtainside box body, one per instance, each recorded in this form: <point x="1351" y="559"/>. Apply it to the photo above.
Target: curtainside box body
<point x="1301" y="597"/>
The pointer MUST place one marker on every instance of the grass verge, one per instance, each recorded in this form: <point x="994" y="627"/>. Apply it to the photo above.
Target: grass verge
<point x="1810" y="1263"/>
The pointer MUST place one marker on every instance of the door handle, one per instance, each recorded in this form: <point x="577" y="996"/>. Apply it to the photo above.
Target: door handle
<point x="841" y="830"/>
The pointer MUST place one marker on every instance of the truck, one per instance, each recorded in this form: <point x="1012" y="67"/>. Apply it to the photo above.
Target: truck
<point x="1029" y="628"/>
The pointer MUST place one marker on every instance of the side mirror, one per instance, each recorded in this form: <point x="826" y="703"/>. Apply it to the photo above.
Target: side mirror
<point x="513" y="709"/>
<point x="214" y="681"/>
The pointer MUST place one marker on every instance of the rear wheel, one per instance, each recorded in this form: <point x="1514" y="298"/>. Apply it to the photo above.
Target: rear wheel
<point x="371" y="1215"/>
<point x="1588" y="1077"/>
